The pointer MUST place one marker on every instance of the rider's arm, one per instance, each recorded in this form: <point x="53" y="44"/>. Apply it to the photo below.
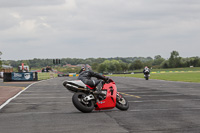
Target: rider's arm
<point x="98" y="75"/>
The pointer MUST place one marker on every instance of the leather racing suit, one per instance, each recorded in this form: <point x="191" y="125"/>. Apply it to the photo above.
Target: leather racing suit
<point x="86" y="78"/>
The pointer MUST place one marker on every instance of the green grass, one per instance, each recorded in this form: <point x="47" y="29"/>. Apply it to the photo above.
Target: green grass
<point x="44" y="76"/>
<point x="173" y="69"/>
<point x="184" y="76"/>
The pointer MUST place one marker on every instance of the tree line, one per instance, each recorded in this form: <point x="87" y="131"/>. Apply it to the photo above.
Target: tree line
<point x="116" y="64"/>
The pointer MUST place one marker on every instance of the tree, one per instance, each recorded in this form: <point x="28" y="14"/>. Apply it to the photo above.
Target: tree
<point x="124" y="66"/>
<point x="195" y="61"/>
<point x="136" y="65"/>
<point x="148" y="63"/>
<point x="116" y="67"/>
<point x="165" y="64"/>
<point x="102" y="68"/>
<point x="174" y="60"/>
<point x="158" y="60"/>
<point x="95" y="66"/>
<point x="112" y="66"/>
<point x="131" y="66"/>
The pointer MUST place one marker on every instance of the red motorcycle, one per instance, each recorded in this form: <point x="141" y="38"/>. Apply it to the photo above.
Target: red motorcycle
<point x="86" y="99"/>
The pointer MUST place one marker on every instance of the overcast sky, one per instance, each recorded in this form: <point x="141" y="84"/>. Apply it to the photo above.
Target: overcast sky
<point x="98" y="28"/>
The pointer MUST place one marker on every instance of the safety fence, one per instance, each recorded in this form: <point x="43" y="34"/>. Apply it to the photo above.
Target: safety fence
<point x="19" y="76"/>
<point x="73" y="75"/>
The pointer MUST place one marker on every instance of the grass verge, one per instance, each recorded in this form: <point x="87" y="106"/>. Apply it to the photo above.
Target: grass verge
<point x="182" y="76"/>
<point x="44" y="76"/>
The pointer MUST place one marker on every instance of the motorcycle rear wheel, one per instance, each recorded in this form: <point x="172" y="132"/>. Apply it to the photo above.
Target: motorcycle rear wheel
<point x="122" y="103"/>
<point x="80" y="104"/>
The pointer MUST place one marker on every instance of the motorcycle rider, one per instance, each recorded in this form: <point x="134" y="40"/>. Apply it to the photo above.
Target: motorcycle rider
<point x="82" y="69"/>
<point x="146" y="71"/>
<point x="86" y="77"/>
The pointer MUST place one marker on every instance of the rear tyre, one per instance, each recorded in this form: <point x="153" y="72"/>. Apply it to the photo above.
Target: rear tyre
<point x="122" y="102"/>
<point x="80" y="104"/>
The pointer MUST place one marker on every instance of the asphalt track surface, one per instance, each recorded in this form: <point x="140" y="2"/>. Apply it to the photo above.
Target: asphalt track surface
<point x="155" y="107"/>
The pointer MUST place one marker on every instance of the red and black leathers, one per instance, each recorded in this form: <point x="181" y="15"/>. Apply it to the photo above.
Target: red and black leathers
<point x="86" y="77"/>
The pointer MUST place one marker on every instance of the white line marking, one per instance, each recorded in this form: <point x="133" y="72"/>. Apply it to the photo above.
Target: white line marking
<point x="23" y="113"/>
<point x="4" y="104"/>
<point x="42" y="103"/>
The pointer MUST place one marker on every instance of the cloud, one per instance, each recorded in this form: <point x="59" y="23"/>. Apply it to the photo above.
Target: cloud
<point x="28" y="3"/>
<point x="106" y="28"/>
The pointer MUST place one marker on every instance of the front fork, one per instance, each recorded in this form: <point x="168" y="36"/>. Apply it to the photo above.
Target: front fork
<point x="120" y="99"/>
<point x="118" y="96"/>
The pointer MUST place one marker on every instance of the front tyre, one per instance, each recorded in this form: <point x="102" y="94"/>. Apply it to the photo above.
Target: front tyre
<point x="121" y="102"/>
<point x="80" y="104"/>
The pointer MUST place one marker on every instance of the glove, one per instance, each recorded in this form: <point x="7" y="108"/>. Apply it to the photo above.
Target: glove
<point x="107" y="80"/>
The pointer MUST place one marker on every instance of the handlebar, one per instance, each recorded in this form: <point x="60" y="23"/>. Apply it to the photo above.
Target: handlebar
<point x="109" y="80"/>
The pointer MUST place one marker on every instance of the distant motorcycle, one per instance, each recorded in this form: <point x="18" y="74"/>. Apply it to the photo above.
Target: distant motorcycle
<point x="146" y="74"/>
<point x="86" y="100"/>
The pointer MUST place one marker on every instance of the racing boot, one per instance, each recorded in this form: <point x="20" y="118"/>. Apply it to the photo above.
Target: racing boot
<point x="98" y="90"/>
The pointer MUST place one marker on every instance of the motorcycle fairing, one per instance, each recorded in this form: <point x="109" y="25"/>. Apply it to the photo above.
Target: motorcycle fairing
<point x="110" y="101"/>
<point x="90" y="87"/>
<point x="74" y="85"/>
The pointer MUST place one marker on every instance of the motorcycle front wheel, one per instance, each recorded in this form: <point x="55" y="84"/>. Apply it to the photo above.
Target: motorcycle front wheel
<point x="121" y="102"/>
<point x="80" y="104"/>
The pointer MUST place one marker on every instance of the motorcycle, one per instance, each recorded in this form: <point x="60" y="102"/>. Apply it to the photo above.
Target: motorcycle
<point x="146" y="75"/>
<point x="86" y="99"/>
